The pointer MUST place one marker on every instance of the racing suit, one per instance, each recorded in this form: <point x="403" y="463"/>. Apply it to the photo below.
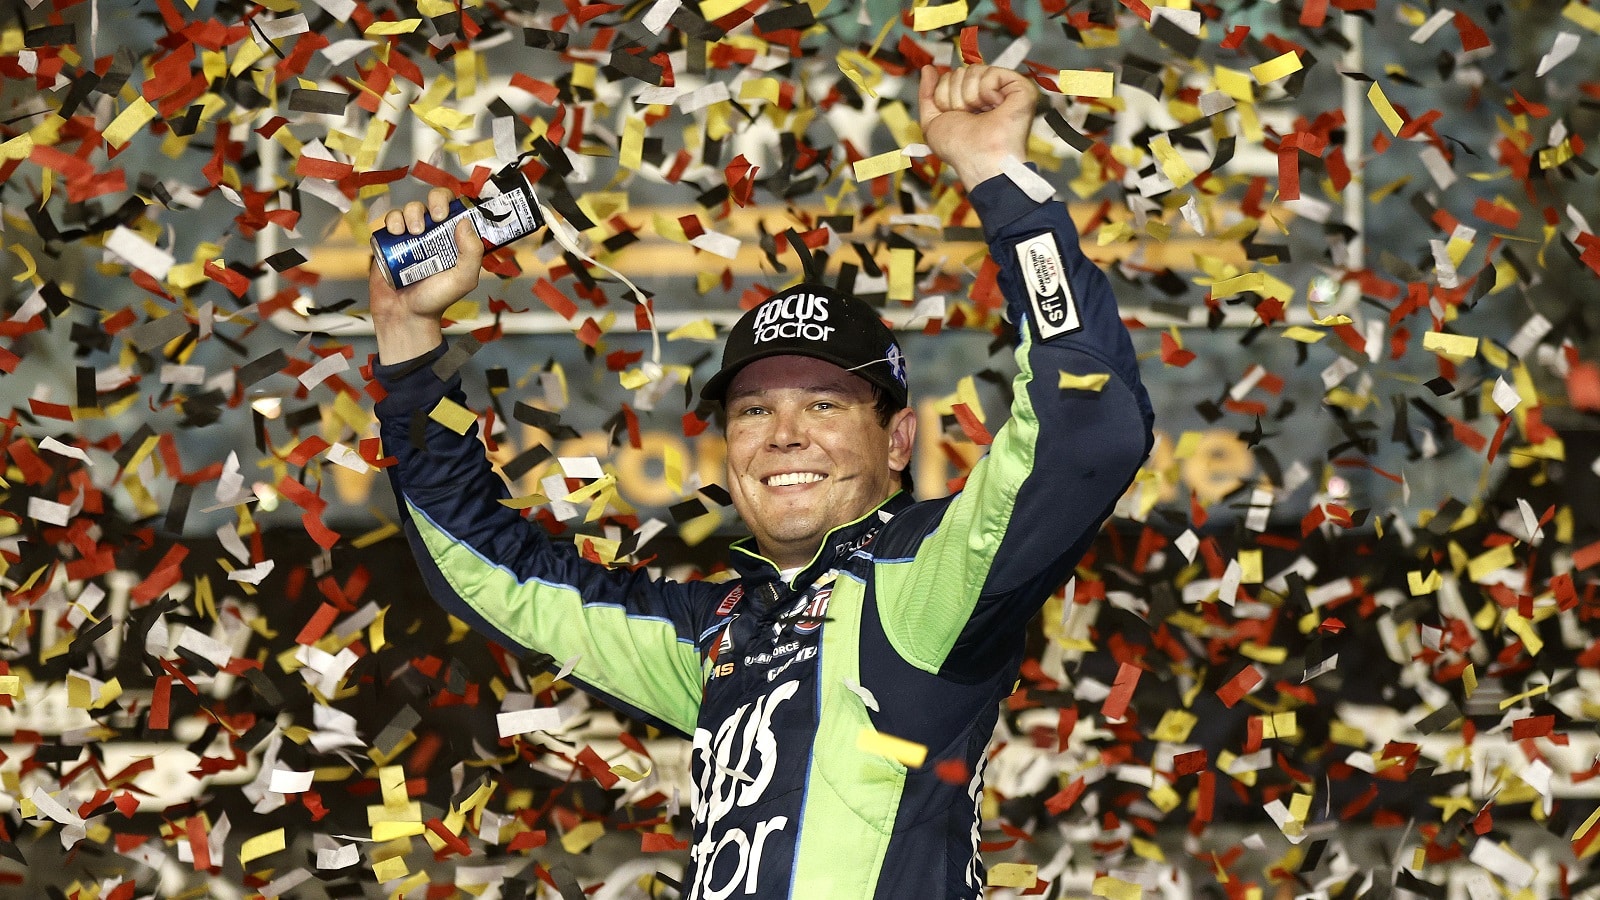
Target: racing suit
<point x="908" y="623"/>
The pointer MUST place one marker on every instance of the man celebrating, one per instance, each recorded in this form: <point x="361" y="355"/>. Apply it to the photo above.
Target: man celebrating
<point x="866" y="645"/>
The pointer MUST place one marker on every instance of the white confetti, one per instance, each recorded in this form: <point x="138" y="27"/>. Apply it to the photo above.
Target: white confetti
<point x="133" y="249"/>
<point x="1032" y="183"/>
<point x="1435" y="22"/>
<point x="254" y="574"/>
<point x="286" y="781"/>
<point x="1566" y="44"/>
<point x="660" y="13"/>
<point x="332" y="364"/>
<point x="522" y="721"/>
<point x="715" y="242"/>
<point x="49" y="511"/>
<point x="56" y="447"/>
<point x="867" y="699"/>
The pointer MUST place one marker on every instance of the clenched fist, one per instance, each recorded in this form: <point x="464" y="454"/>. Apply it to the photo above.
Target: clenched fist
<point x="975" y="117"/>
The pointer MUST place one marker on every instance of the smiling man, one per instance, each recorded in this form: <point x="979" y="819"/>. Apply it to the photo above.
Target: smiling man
<point x="841" y="691"/>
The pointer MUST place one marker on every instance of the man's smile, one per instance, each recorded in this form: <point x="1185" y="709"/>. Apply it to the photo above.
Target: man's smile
<point x="786" y="479"/>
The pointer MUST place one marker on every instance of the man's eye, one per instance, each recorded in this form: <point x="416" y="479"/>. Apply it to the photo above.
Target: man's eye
<point x="752" y="411"/>
<point x="824" y="404"/>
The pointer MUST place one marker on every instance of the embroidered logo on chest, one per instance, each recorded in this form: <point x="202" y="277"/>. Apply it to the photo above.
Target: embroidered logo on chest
<point x="810" y="618"/>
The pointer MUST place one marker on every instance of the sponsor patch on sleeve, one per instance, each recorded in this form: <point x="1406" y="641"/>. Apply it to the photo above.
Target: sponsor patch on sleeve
<point x="1055" y="312"/>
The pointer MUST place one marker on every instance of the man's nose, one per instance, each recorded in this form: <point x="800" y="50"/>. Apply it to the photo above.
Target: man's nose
<point x="788" y="432"/>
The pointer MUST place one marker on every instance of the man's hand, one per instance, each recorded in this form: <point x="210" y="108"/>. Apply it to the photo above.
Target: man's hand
<point x="407" y="320"/>
<point x="975" y="117"/>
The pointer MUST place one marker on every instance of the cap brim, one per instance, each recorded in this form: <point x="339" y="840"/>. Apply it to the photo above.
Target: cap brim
<point x="716" y="389"/>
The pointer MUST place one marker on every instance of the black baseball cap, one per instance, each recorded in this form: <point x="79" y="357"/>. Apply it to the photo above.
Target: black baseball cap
<point x="815" y="320"/>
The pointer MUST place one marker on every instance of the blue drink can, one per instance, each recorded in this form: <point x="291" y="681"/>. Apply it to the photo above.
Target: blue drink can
<point x="406" y="259"/>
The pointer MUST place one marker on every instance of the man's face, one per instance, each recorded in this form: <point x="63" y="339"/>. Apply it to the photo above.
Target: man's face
<point x="806" y="452"/>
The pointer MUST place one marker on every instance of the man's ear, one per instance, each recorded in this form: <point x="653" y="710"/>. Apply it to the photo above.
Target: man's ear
<point x="902" y="439"/>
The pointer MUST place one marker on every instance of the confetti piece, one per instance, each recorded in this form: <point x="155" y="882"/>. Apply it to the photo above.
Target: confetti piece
<point x="1173" y="165"/>
<point x="927" y="18"/>
<point x="262" y="845"/>
<point x="580" y="837"/>
<point x="387" y="29"/>
<point x="1277" y="68"/>
<point x="129" y="122"/>
<point x="1021" y="875"/>
<point x="1582" y="14"/>
<point x="452" y="415"/>
<point x="880" y="165"/>
<point x="1081" y="83"/>
<point x="1093" y="381"/>
<point x="1385" y="110"/>
<point x="909" y="754"/>
<point x="1036" y="186"/>
<point x="1447" y="344"/>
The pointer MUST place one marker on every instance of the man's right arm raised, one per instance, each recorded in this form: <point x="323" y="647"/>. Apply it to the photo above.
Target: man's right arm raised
<point x="633" y="639"/>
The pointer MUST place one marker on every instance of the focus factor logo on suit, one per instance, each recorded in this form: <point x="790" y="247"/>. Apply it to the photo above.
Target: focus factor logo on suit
<point x="1054" y="311"/>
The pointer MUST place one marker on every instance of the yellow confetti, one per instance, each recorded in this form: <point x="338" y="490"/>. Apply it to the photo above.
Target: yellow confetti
<point x="927" y="18"/>
<point x="697" y="529"/>
<point x="1279" y="725"/>
<point x="1469" y="680"/>
<point x="1173" y="165"/>
<point x="1513" y="700"/>
<point x="716" y="9"/>
<point x="1583" y="830"/>
<point x="882" y="164"/>
<point x="1116" y="888"/>
<point x="1084" y="83"/>
<point x="19" y="147"/>
<point x="767" y="89"/>
<point x="1485" y="564"/>
<point x="698" y="330"/>
<point x="902" y="273"/>
<point x="1261" y="653"/>
<point x="1587" y="16"/>
<point x="1447" y="344"/>
<point x="384" y="29"/>
<point x="1175" y="726"/>
<point x="261" y="845"/>
<point x="29" y="267"/>
<point x="11" y="686"/>
<point x="452" y="415"/>
<point x="578" y="839"/>
<point x="1250" y="566"/>
<point x="1164" y="797"/>
<point x="390" y="869"/>
<point x="1420" y="585"/>
<point x="1094" y="381"/>
<point x="1380" y="102"/>
<point x="631" y="156"/>
<point x="1303" y="334"/>
<point x="1227" y="287"/>
<point x="1274" y="69"/>
<point x="1022" y="875"/>
<point x="1523" y="629"/>
<point x="907" y="753"/>
<point x="1235" y="84"/>
<point x="128" y="122"/>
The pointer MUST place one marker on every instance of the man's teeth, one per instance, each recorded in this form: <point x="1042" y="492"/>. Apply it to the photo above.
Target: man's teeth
<point x="789" y="478"/>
